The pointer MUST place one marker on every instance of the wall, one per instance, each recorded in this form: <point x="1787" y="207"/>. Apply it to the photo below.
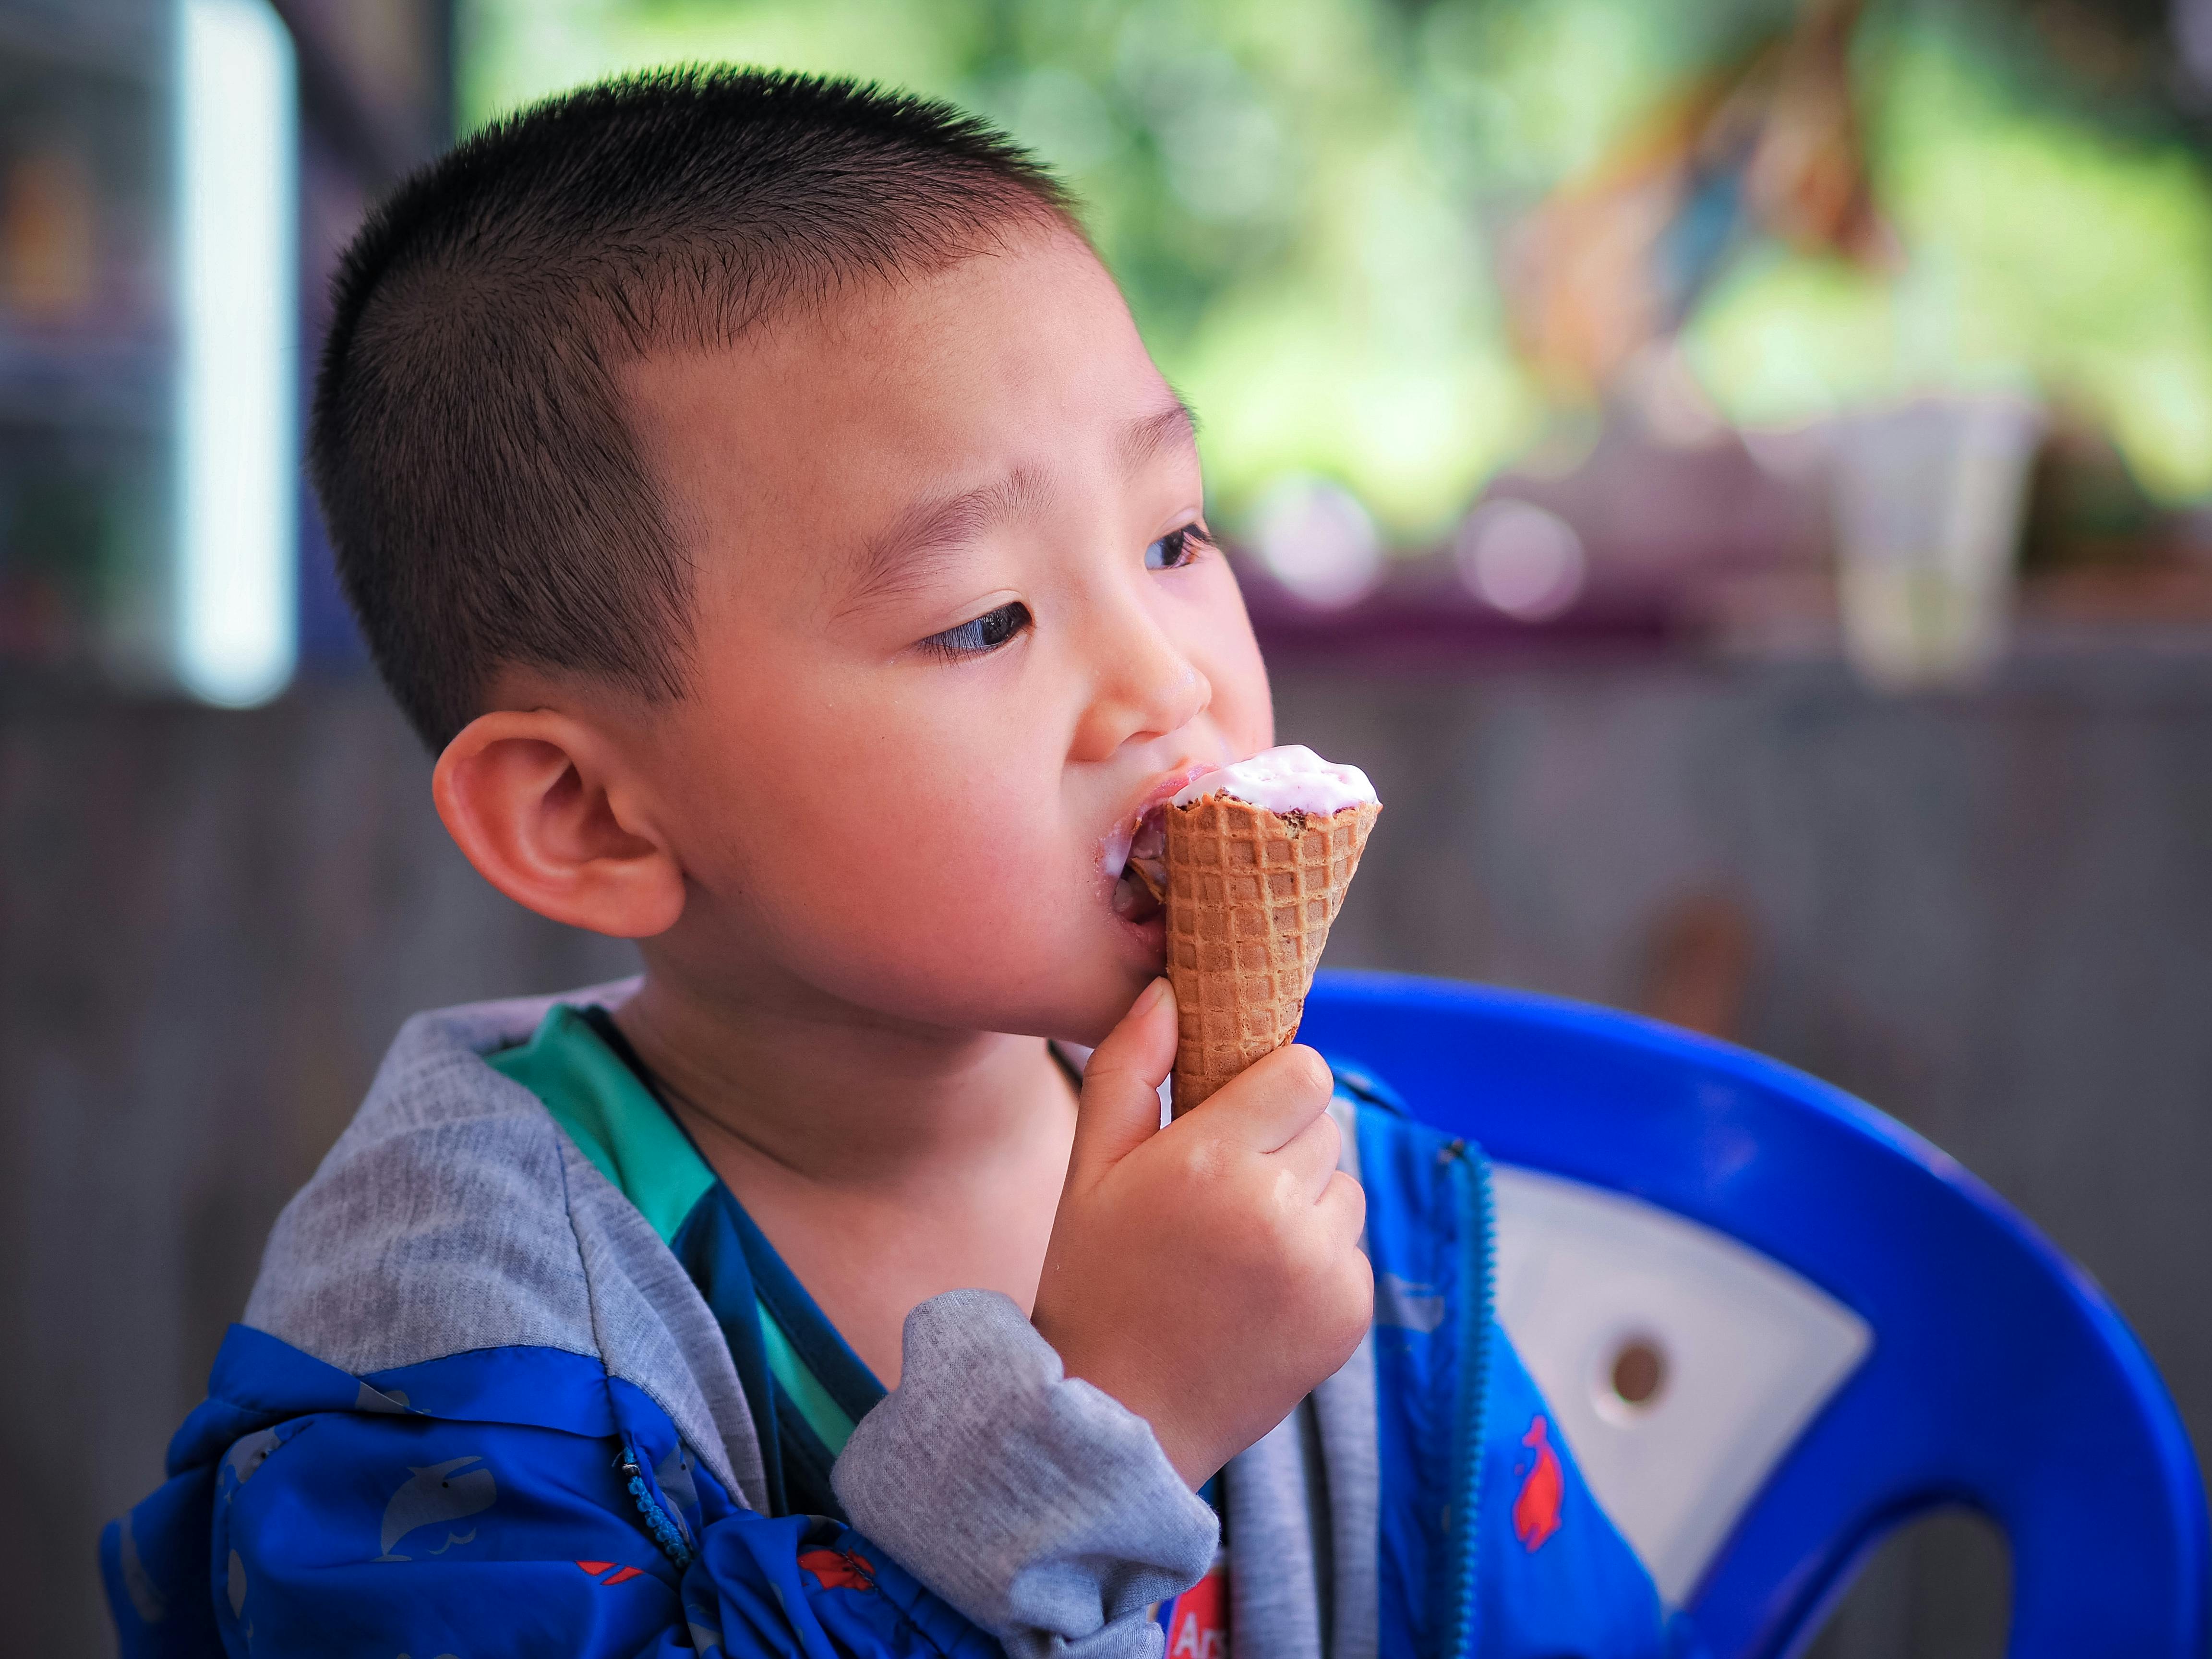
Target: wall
<point x="210" y="925"/>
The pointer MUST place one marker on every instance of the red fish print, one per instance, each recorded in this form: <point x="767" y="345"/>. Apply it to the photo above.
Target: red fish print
<point x="1537" y="1511"/>
<point x="621" y="1576"/>
<point x="839" y="1569"/>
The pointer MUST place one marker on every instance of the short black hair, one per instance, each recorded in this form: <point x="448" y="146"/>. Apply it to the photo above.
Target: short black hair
<point x="484" y="494"/>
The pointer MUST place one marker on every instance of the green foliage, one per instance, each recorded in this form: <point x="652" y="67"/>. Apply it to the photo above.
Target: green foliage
<point x="2043" y="252"/>
<point x="1305" y="200"/>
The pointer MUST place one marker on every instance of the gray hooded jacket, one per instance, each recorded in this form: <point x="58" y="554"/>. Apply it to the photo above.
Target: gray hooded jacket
<point x="454" y="1214"/>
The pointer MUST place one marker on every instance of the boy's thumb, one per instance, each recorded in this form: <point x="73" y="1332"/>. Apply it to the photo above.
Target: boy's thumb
<point x="1120" y="1107"/>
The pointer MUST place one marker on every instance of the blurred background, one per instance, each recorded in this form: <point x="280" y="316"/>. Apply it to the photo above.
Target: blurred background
<point x="1737" y="472"/>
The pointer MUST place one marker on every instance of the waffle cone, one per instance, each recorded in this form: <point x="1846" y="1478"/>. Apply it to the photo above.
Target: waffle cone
<point x="1250" y="897"/>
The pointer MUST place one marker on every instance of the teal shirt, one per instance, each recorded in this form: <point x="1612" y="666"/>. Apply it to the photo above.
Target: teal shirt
<point x="579" y="1065"/>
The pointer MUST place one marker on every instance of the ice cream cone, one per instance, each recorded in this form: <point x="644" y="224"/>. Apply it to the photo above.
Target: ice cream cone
<point x="1250" y="895"/>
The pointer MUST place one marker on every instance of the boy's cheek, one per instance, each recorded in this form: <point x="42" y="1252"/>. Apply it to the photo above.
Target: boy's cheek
<point x="978" y="958"/>
<point x="912" y="854"/>
<point x="993" y="925"/>
<point x="902" y="860"/>
<point x="923" y="898"/>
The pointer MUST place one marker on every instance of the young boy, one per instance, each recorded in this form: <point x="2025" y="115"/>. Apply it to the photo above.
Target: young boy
<point x="756" y="493"/>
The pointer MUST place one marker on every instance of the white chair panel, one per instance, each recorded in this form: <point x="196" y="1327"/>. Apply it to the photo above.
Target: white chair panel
<point x="1607" y="1298"/>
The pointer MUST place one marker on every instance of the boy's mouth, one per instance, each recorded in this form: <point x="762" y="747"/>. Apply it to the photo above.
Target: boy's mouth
<point x="1141" y="883"/>
<point x="1135" y="850"/>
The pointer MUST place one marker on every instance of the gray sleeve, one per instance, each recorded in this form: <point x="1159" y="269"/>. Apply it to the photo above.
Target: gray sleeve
<point x="1039" y="1507"/>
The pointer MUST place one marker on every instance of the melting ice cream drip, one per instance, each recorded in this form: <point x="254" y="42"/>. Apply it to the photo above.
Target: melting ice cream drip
<point x="1135" y="860"/>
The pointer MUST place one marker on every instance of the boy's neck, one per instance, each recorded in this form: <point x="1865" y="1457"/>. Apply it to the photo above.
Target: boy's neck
<point x="886" y="1162"/>
<point x="842" y="1097"/>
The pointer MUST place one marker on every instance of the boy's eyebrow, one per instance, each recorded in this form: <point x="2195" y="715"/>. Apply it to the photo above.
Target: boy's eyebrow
<point x="1148" y="434"/>
<point x="900" y="559"/>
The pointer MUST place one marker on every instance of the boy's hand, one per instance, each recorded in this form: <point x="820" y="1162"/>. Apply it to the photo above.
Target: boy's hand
<point x="1207" y="1276"/>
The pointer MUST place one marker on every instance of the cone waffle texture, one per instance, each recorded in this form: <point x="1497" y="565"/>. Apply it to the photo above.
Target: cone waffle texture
<point x="1250" y="897"/>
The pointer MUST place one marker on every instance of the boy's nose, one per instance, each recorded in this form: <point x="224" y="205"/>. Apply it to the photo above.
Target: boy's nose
<point x="1146" y="687"/>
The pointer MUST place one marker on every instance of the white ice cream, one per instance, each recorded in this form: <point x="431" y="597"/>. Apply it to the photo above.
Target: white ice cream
<point x="1291" y="779"/>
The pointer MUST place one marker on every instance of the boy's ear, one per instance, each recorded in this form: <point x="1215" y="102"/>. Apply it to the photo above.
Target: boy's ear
<point x="533" y="799"/>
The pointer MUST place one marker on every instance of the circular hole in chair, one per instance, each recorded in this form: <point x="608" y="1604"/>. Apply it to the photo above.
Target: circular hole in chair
<point x="1638" y="1371"/>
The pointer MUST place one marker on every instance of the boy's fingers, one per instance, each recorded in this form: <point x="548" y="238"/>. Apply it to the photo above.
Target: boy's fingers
<point x="1343" y="1204"/>
<point x="1121" y="1107"/>
<point x="1311" y="1154"/>
<point x="1266" y="1107"/>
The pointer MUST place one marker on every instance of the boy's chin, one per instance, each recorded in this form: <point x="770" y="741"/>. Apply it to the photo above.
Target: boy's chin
<point x="1148" y="942"/>
<point x="1083" y="1004"/>
<point x="1106" y="999"/>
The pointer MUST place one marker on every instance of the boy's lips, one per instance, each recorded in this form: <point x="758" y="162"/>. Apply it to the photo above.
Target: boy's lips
<point x="1119" y="840"/>
<point x="1134" y="851"/>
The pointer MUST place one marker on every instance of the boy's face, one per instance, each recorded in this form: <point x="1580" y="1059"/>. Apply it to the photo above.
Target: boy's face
<point x="955" y="631"/>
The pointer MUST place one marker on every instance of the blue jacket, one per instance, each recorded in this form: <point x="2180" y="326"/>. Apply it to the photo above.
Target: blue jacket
<point x="519" y="1485"/>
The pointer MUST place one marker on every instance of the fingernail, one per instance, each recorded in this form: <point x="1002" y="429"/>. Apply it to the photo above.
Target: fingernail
<point x="1152" y="997"/>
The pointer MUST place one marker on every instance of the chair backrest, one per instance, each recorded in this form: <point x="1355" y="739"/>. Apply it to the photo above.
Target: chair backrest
<point x="1775" y="1324"/>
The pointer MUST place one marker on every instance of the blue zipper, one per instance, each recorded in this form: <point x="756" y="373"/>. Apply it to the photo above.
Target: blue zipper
<point x="1472" y="1403"/>
<point x="665" y="1524"/>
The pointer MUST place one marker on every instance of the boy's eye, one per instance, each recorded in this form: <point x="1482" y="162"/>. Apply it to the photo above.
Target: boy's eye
<point x="1177" y="548"/>
<point x="987" y="632"/>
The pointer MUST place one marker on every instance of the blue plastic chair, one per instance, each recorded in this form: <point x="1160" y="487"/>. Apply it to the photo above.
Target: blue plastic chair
<point x="2000" y="1377"/>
